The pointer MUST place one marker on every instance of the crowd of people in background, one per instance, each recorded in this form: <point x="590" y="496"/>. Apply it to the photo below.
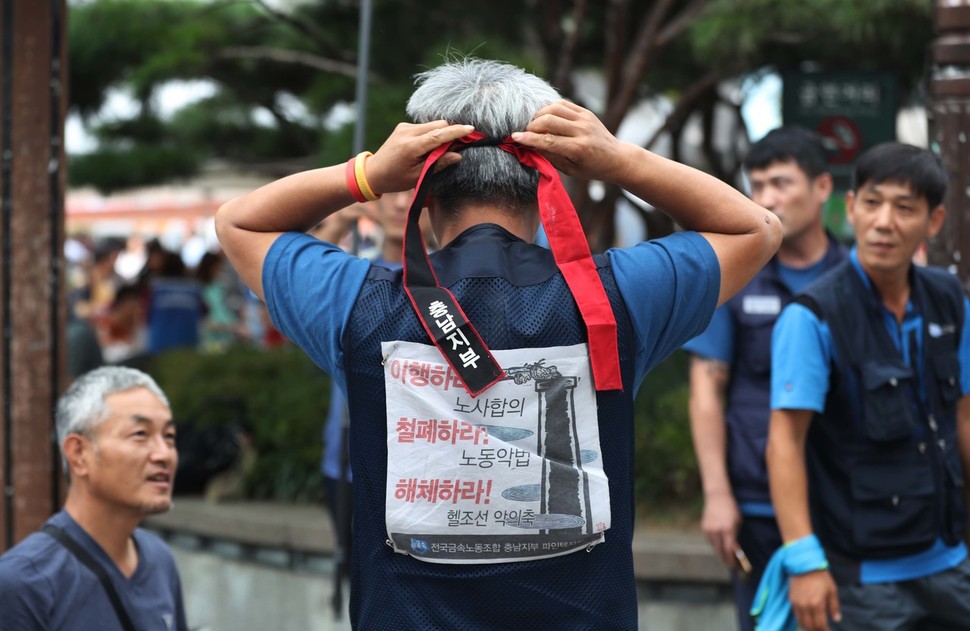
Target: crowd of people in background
<point x="129" y="299"/>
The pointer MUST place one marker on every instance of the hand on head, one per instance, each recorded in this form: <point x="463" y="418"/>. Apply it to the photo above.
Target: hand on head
<point x="574" y="140"/>
<point x="398" y="163"/>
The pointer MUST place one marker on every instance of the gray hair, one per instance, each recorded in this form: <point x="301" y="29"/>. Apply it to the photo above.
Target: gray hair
<point x="497" y="99"/>
<point x="83" y="405"/>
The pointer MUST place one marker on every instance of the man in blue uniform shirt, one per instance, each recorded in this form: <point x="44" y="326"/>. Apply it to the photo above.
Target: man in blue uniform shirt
<point x="492" y="482"/>
<point x="91" y="566"/>
<point x="390" y="215"/>
<point x="870" y="429"/>
<point x="730" y="373"/>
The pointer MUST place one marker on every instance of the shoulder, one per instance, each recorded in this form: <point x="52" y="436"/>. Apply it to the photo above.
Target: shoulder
<point x="680" y="254"/>
<point x="679" y="243"/>
<point x="798" y="316"/>
<point x="940" y="279"/>
<point x="35" y="552"/>
<point x="801" y="344"/>
<point x="298" y="262"/>
<point x="29" y="574"/>
<point x="670" y="288"/>
<point x="824" y="291"/>
<point x="290" y="245"/>
<point x="944" y="289"/>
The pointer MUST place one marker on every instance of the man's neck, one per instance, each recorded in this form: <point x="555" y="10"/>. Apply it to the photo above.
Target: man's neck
<point x="523" y="226"/>
<point x="391" y="250"/>
<point x="111" y="530"/>
<point x="893" y="289"/>
<point x="805" y="250"/>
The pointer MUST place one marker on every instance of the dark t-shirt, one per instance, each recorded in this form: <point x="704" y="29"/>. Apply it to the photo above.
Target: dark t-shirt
<point x="43" y="587"/>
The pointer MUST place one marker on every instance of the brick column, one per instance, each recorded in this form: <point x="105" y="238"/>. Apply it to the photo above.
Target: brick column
<point x="32" y="105"/>
<point x="949" y="114"/>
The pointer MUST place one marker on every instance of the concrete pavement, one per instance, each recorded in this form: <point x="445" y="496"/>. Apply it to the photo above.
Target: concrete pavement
<point x="268" y="566"/>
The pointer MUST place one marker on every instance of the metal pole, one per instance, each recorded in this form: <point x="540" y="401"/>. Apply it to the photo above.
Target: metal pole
<point x="57" y="179"/>
<point x="343" y="509"/>
<point x="363" y="69"/>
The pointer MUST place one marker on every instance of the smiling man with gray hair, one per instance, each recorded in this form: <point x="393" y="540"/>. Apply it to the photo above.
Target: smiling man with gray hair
<point x="91" y="568"/>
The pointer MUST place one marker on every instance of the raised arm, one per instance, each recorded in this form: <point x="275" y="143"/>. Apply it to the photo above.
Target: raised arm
<point x="743" y="234"/>
<point x="248" y="225"/>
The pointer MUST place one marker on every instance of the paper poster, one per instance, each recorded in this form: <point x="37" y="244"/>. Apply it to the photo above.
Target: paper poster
<point x="511" y="475"/>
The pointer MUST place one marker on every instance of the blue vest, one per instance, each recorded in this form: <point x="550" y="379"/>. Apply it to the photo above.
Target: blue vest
<point x="754" y="310"/>
<point x="885" y="478"/>
<point x="516" y="298"/>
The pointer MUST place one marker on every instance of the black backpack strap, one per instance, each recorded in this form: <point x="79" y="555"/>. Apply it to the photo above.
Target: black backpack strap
<point x="82" y="555"/>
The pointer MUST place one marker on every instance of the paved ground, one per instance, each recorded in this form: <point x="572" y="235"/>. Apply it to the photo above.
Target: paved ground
<point x="659" y="554"/>
<point x="254" y="566"/>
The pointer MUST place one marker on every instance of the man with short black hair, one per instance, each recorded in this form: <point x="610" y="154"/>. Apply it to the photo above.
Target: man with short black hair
<point x="731" y="361"/>
<point x="869" y="445"/>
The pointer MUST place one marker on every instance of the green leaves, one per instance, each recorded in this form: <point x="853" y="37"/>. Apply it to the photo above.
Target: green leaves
<point x="113" y="169"/>
<point x="286" y="400"/>
<point x="738" y="35"/>
<point x="257" y="57"/>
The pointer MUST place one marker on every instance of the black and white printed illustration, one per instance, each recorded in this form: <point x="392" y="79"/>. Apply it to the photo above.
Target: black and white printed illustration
<point x="511" y="475"/>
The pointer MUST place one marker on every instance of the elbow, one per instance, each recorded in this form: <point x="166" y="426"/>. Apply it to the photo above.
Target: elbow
<point x="771" y="235"/>
<point x="224" y="222"/>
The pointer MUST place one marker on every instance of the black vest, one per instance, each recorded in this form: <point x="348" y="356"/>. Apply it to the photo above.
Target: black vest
<point x="885" y="478"/>
<point x="755" y="309"/>
<point x="516" y="298"/>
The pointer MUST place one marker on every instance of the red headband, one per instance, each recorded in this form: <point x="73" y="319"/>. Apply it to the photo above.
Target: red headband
<point x="443" y="318"/>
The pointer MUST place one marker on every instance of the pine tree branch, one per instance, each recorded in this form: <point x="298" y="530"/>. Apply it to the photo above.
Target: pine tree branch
<point x="295" y="57"/>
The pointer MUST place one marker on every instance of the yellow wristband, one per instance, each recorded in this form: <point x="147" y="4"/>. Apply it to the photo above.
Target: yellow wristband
<point x="361" y="177"/>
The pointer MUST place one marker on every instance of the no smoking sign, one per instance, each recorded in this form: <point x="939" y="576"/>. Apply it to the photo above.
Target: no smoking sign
<point x="842" y="138"/>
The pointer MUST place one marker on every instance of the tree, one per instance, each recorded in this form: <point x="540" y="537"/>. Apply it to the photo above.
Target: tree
<point x="687" y="48"/>
<point x="291" y="68"/>
<point x="262" y="61"/>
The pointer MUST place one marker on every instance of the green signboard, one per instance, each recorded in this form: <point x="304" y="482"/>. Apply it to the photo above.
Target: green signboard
<point x="852" y="111"/>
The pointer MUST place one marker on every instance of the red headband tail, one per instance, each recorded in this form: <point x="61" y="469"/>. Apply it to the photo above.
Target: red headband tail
<point x="447" y="324"/>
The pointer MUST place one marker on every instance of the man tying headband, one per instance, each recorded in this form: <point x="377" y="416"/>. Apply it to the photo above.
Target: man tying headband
<point x="493" y="475"/>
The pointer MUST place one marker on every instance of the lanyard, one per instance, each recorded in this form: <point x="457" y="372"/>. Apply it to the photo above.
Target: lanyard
<point x="442" y="316"/>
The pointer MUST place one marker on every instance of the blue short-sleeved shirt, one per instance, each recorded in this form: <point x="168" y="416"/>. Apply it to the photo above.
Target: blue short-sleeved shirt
<point x="43" y="587"/>
<point x="717" y="341"/>
<point x="670" y="287"/>
<point x="802" y="353"/>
